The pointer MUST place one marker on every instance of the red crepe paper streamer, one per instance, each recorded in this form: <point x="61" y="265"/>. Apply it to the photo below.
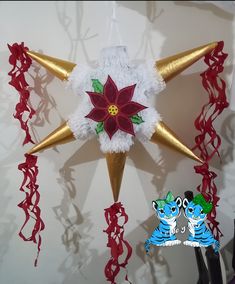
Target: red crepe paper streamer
<point x="21" y="62"/>
<point x="116" y="242"/>
<point x="208" y="141"/>
<point x="30" y="203"/>
<point x="209" y="190"/>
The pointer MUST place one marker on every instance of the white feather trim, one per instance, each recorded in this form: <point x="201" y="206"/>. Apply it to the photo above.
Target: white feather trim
<point x="115" y="63"/>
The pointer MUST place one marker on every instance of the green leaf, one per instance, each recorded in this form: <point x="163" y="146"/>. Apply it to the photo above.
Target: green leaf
<point x="99" y="128"/>
<point x="136" y="119"/>
<point x="97" y="86"/>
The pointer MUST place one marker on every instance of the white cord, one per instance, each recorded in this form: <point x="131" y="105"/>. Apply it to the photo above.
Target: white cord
<point x="114" y="35"/>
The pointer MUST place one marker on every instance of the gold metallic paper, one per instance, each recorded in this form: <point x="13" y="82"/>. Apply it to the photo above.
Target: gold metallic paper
<point x="168" y="67"/>
<point x="116" y="163"/>
<point x="59" y="68"/>
<point x="166" y="136"/>
<point x="61" y="135"/>
<point x="171" y="66"/>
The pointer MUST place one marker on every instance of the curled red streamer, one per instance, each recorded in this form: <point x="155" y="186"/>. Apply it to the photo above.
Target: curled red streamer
<point x="30" y="203"/>
<point x="208" y="138"/>
<point x="215" y="87"/>
<point x="21" y="63"/>
<point x="116" y="243"/>
<point x="209" y="191"/>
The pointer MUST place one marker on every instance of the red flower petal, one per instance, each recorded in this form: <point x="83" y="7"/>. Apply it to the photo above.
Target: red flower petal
<point x="131" y="108"/>
<point x="110" y="126"/>
<point x="125" y="95"/>
<point x="97" y="114"/>
<point x="98" y="100"/>
<point x="110" y="90"/>
<point x="125" y="124"/>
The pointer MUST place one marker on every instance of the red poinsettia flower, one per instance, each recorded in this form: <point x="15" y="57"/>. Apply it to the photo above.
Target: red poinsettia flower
<point x="114" y="107"/>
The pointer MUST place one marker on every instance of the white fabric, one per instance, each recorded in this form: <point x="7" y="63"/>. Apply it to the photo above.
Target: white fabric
<point x="114" y="62"/>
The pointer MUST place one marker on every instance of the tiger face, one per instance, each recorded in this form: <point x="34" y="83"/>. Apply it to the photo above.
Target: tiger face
<point x="169" y="208"/>
<point x="193" y="211"/>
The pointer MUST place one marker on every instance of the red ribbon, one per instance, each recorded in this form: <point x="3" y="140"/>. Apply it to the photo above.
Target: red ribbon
<point x="30" y="203"/>
<point x="208" y="138"/>
<point x="116" y="243"/>
<point x="21" y="63"/>
<point x="215" y="87"/>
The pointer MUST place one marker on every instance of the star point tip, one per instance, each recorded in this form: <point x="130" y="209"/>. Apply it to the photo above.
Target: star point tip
<point x="171" y="66"/>
<point x="58" y="67"/>
<point x="60" y="135"/>
<point x="163" y="134"/>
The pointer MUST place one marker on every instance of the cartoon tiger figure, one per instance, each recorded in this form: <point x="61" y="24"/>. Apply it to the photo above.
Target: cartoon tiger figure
<point x="196" y="212"/>
<point x="167" y="210"/>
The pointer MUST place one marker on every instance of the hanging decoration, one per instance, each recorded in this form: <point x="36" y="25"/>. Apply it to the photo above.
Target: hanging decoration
<point x="203" y="206"/>
<point x="30" y="204"/>
<point x="116" y="108"/>
<point x="208" y="141"/>
<point x="116" y="243"/>
<point x="21" y="63"/>
<point x="167" y="210"/>
<point x="196" y="212"/>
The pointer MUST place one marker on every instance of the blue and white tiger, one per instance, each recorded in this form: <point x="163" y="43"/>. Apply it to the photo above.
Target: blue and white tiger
<point x="167" y="210"/>
<point x="196" y="212"/>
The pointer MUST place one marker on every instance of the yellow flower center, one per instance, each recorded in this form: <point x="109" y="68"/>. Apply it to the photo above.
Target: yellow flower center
<point x="113" y="110"/>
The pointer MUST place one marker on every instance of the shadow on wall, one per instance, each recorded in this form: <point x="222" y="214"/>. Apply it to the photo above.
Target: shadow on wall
<point x="156" y="267"/>
<point x="228" y="134"/>
<point x="68" y="24"/>
<point x="183" y="91"/>
<point x="42" y="101"/>
<point x="8" y="225"/>
<point x="76" y="237"/>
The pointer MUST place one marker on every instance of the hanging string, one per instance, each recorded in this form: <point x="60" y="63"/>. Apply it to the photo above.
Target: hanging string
<point x="114" y="34"/>
<point x="208" y="141"/>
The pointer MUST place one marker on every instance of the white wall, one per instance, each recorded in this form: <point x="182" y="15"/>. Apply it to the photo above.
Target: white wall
<point x="73" y="179"/>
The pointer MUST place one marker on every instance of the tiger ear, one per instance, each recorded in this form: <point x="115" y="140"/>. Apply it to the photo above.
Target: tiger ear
<point x="154" y="204"/>
<point x="185" y="202"/>
<point x="178" y="201"/>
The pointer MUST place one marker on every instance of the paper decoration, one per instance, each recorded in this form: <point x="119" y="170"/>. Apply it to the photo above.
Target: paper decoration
<point x="208" y="141"/>
<point x="167" y="210"/>
<point x="196" y="212"/>
<point x="21" y="62"/>
<point x="30" y="204"/>
<point x="157" y="130"/>
<point x="115" y="231"/>
<point x="114" y="109"/>
<point x="115" y="106"/>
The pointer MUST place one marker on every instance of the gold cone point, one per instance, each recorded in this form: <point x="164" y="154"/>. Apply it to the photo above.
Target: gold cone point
<point x="59" y="68"/>
<point x="61" y="135"/>
<point x="168" y="67"/>
<point x="116" y="164"/>
<point x="171" y="66"/>
<point x="163" y="134"/>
